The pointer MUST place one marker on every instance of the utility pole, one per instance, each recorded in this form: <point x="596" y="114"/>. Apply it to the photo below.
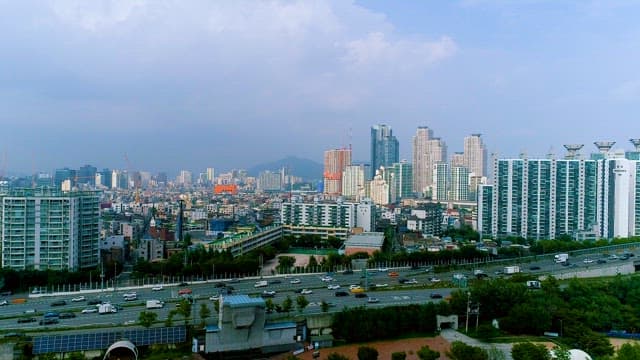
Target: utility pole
<point x="466" y="327"/>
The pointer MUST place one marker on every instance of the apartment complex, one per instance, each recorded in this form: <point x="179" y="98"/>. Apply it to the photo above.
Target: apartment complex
<point x="547" y="198"/>
<point x="45" y="228"/>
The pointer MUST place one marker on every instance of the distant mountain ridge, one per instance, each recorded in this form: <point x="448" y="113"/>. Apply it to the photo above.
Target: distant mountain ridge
<point x="304" y="168"/>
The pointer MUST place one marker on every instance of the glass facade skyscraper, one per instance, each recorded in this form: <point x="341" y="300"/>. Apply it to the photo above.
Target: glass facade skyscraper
<point x="385" y="149"/>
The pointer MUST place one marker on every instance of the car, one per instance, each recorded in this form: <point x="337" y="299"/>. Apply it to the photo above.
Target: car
<point x="275" y="281"/>
<point x="383" y="269"/>
<point x="435" y="296"/>
<point x="601" y="261"/>
<point x="129" y="322"/>
<point x="361" y="295"/>
<point x="78" y="299"/>
<point x="411" y="282"/>
<point x="534" y="267"/>
<point x="214" y="297"/>
<point x="94" y="302"/>
<point x="183" y="284"/>
<point x="434" y="279"/>
<point x="351" y="287"/>
<point x="234" y="280"/>
<point x="268" y="294"/>
<point x="357" y="290"/>
<point x="4" y="302"/>
<point x="157" y="288"/>
<point x="373" y="300"/>
<point x="333" y="287"/>
<point x="624" y="257"/>
<point x="220" y="285"/>
<point x="37" y="291"/>
<point x="185" y="291"/>
<point x="393" y="274"/>
<point x="348" y="272"/>
<point x="613" y="257"/>
<point x="6" y="293"/>
<point x="382" y="285"/>
<point x="428" y="269"/>
<point x="67" y="315"/>
<point x="588" y="261"/>
<point x="341" y="293"/>
<point x="306" y="292"/>
<point x="326" y="278"/>
<point x="294" y="281"/>
<point x="30" y="311"/>
<point x="49" y="321"/>
<point x="13" y="335"/>
<point x="26" y="320"/>
<point x="481" y="276"/>
<point x="89" y="310"/>
<point x="59" y="303"/>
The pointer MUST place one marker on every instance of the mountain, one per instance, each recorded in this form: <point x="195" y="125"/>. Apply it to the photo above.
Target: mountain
<point x="304" y="168"/>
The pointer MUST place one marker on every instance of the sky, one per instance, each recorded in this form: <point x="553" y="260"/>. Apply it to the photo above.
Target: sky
<point x="180" y="84"/>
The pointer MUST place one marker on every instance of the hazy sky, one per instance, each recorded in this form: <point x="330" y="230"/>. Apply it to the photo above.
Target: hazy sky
<point x="192" y="84"/>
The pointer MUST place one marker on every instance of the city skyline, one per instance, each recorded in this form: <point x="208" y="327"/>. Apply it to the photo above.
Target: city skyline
<point x="234" y="84"/>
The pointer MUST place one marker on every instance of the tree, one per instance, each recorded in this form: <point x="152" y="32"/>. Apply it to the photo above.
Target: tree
<point x="285" y="263"/>
<point x="76" y="356"/>
<point x="287" y="304"/>
<point x="216" y="305"/>
<point x="399" y="355"/>
<point x="562" y="353"/>
<point x="530" y="351"/>
<point x="184" y="309"/>
<point x="301" y="303"/>
<point x="628" y="352"/>
<point x="336" y="356"/>
<point x="324" y="306"/>
<point x="462" y="351"/>
<point x="367" y="353"/>
<point x="205" y="312"/>
<point x="313" y="263"/>
<point x="169" y="321"/>
<point x="269" y="305"/>
<point x="147" y="318"/>
<point x="425" y="353"/>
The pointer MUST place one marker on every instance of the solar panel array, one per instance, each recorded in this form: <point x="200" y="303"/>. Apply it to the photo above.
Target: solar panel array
<point x="102" y="340"/>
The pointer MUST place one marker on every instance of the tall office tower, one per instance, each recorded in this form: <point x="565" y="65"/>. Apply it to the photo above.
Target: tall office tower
<point x="185" y="178"/>
<point x="49" y="229"/>
<point x="459" y="184"/>
<point x="105" y="178"/>
<point x="335" y="161"/>
<point x="475" y="155"/>
<point x="87" y="175"/>
<point x="269" y="181"/>
<point x="399" y="176"/>
<point x="353" y="181"/>
<point x="441" y="181"/>
<point x="64" y="174"/>
<point x="379" y="189"/>
<point x="427" y="151"/>
<point x="457" y="159"/>
<point x="547" y="198"/>
<point x="42" y="179"/>
<point x="211" y="174"/>
<point x="385" y="149"/>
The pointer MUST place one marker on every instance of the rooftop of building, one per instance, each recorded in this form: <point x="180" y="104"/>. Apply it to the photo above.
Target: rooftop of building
<point x="242" y="301"/>
<point x="366" y="239"/>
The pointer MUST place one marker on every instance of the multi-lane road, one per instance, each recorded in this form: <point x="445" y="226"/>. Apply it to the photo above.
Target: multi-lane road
<point x="388" y="290"/>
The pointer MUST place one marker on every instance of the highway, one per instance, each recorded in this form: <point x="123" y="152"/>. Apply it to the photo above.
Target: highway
<point x="385" y="288"/>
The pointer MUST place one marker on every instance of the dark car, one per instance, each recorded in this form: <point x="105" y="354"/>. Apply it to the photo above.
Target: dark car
<point x="220" y="284"/>
<point x="59" y="303"/>
<point x="435" y="296"/>
<point x="342" y="293"/>
<point x="6" y="293"/>
<point x="26" y="320"/>
<point x="361" y="295"/>
<point x="348" y="272"/>
<point x="601" y="261"/>
<point x="534" y="267"/>
<point x="14" y="335"/>
<point x="275" y="282"/>
<point x="67" y="315"/>
<point x="403" y="280"/>
<point x="94" y="302"/>
<point x="49" y="321"/>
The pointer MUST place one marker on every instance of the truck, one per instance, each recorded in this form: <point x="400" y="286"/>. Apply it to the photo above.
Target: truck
<point x="261" y="283"/>
<point x="106" y="309"/>
<point x="154" y="304"/>
<point x="533" y="284"/>
<point x="560" y="258"/>
<point x="508" y="270"/>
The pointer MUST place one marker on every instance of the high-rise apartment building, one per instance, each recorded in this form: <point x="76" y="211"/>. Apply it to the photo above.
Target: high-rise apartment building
<point x="269" y="181"/>
<point x="547" y="198"/>
<point x="427" y="151"/>
<point x="457" y="159"/>
<point x="353" y="183"/>
<point x="45" y="228"/>
<point x="399" y="176"/>
<point x="317" y="217"/>
<point x="441" y="180"/>
<point x="475" y="155"/>
<point x="385" y="149"/>
<point x="87" y="175"/>
<point x="64" y="174"/>
<point x="185" y="178"/>
<point x="379" y="188"/>
<point x="335" y="162"/>
<point x="211" y="174"/>
<point x="459" y="184"/>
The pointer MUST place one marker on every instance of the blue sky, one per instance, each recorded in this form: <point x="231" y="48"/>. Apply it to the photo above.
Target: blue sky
<point x="229" y="84"/>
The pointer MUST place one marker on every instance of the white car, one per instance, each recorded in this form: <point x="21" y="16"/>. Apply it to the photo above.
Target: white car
<point x="30" y="311"/>
<point x="382" y="285"/>
<point x="294" y="281"/>
<point x="131" y="294"/>
<point x="351" y="287"/>
<point x="78" y="299"/>
<point x="333" y="287"/>
<point x="157" y="288"/>
<point x="4" y="302"/>
<point x="587" y="261"/>
<point x="306" y="292"/>
<point x="90" y="310"/>
<point x="326" y="278"/>
<point x="269" y="293"/>
<point x="412" y="281"/>
<point x="129" y="322"/>
<point x="214" y="298"/>
<point x="383" y="269"/>
<point x="434" y="279"/>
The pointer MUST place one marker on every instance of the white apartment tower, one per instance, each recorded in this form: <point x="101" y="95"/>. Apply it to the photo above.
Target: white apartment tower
<point x="353" y="181"/>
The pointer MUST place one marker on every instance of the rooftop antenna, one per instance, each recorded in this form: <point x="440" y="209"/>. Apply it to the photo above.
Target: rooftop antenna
<point x="604" y="146"/>
<point x="572" y="150"/>
<point x="636" y="143"/>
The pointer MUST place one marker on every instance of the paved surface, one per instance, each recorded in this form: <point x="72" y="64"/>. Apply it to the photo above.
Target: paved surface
<point x="453" y="335"/>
